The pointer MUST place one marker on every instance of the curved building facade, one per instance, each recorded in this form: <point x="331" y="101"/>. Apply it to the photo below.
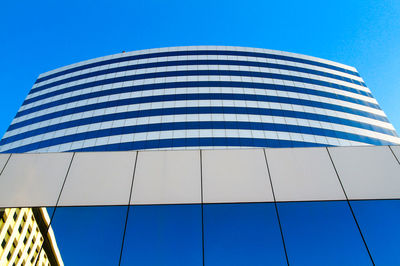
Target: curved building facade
<point x="198" y="97"/>
<point x="89" y="148"/>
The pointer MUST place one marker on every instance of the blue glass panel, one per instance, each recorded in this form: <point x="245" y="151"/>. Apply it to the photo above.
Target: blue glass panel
<point x="50" y="211"/>
<point x="89" y="235"/>
<point x="200" y="96"/>
<point x="242" y="234"/>
<point x="199" y="83"/>
<point x="379" y="223"/>
<point x="193" y="62"/>
<point x="321" y="233"/>
<point x="189" y="110"/>
<point x="198" y="52"/>
<point x="163" y="235"/>
<point x="198" y="125"/>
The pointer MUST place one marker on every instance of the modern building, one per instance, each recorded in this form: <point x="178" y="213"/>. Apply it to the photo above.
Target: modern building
<point x="207" y="155"/>
<point x="191" y="97"/>
<point x="21" y="233"/>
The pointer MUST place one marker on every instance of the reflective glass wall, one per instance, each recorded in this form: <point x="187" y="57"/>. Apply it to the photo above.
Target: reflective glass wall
<point x="306" y="233"/>
<point x="253" y="207"/>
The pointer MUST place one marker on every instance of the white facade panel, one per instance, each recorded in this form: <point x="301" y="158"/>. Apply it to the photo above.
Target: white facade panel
<point x="164" y="177"/>
<point x="33" y="179"/>
<point x="367" y="172"/>
<point x="99" y="178"/>
<point x="303" y="174"/>
<point x="396" y="151"/>
<point x="179" y="177"/>
<point x="3" y="160"/>
<point x="235" y="176"/>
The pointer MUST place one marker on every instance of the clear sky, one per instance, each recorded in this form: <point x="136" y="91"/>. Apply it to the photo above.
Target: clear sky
<point x="38" y="36"/>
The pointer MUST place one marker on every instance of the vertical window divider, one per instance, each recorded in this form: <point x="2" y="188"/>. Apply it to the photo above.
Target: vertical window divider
<point x="129" y="205"/>
<point x="4" y="167"/>
<point x="397" y="159"/>
<point x="55" y="207"/>
<point x="351" y="209"/>
<point x="276" y="208"/>
<point x="202" y="205"/>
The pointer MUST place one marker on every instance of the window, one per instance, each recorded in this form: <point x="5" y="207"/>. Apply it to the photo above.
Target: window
<point x="378" y="220"/>
<point x="103" y="237"/>
<point x="15" y="216"/>
<point x="2" y="222"/>
<point x="151" y="230"/>
<point x="242" y="234"/>
<point x="321" y="233"/>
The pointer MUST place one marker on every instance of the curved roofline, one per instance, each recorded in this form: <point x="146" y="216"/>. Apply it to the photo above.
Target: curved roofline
<point x="200" y="47"/>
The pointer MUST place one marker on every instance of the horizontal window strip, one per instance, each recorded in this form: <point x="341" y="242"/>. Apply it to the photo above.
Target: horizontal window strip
<point x="228" y="84"/>
<point x="191" y="142"/>
<point x="195" y="110"/>
<point x="198" y="52"/>
<point x="199" y="96"/>
<point x="194" y="63"/>
<point x="195" y="73"/>
<point x="158" y="127"/>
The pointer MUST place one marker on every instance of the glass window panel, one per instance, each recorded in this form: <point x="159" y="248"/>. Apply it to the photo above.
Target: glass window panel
<point x="379" y="223"/>
<point x="242" y="234"/>
<point x="321" y="233"/>
<point x="163" y="235"/>
<point x="89" y="235"/>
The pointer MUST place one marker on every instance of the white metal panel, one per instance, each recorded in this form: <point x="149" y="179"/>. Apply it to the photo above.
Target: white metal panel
<point x="33" y="179"/>
<point x="367" y="172"/>
<point x="99" y="178"/>
<point x="396" y="151"/>
<point x="167" y="177"/>
<point x="235" y="176"/>
<point x="3" y="160"/>
<point x="303" y="174"/>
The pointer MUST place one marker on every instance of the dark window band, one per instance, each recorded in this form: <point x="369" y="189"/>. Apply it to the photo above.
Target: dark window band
<point x="202" y="125"/>
<point x="199" y="96"/>
<point x="193" y="142"/>
<point x="194" y="84"/>
<point x="194" y="63"/>
<point x="198" y="52"/>
<point x="196" y="110"/>
<point x="195" y="73"/>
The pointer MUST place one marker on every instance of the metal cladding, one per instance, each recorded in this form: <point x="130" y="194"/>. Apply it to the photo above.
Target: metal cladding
<point x="198" y="97"/>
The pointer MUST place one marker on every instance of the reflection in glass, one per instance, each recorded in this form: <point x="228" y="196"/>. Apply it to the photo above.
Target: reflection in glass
<point x="89" y="235"/>
<point x="163" y="235"/>
<point x="242" y="234"/>
<point x="379" y="223"/>
<point x="321" y="233"/>
<point x="21" y="237"/>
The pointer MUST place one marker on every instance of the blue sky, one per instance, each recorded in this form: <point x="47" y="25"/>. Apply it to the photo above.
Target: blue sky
<point x="38" y="36"/>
